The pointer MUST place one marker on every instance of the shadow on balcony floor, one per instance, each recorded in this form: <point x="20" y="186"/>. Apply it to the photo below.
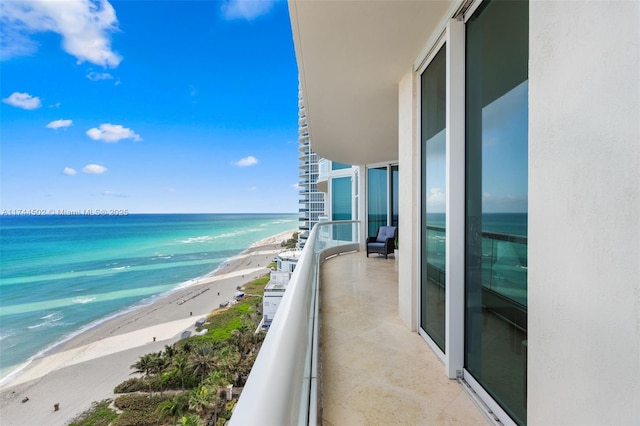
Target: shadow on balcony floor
<point x="374" y="370"/>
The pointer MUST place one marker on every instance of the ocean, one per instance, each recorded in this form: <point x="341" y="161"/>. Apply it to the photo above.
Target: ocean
<point x="60" y="275"/>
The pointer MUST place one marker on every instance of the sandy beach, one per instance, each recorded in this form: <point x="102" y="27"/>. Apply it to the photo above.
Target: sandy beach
<point x="89" y="366"/>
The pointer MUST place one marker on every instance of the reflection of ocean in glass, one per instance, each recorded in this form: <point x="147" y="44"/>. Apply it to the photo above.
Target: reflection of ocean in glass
<point x="433" y="281"/>
<point x="505" y="224"/>
<point x="496" y="192"/>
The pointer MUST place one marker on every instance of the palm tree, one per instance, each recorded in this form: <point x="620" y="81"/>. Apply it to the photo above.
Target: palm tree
<point x="145" y="365"/>
<point x="159" y="363"/>
<point x="202" y="360"/>
<point x="226" y="360"/>
<point x="180" y="364"/>
<point x="169" y="351"/>
<point x="242" y="340"/>
<point x="174" y="408"/>
<point x="244" y="368"/>
<point x="217" y="380"/>
<point x="191" y="420"/>
<point x="200" y="399"/>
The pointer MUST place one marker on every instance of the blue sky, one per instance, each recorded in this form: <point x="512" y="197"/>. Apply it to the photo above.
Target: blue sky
<point x="149" y="106"/>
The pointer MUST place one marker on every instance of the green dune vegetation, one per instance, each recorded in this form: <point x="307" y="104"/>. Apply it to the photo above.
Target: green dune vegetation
<point x="195" y="381"/>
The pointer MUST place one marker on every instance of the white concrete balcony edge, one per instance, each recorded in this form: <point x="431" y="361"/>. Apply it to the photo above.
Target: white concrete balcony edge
<point x="272" y="396"/>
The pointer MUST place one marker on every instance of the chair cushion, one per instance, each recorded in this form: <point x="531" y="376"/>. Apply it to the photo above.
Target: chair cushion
<point x="376" y="245"/>
<point x="385" y="232"/>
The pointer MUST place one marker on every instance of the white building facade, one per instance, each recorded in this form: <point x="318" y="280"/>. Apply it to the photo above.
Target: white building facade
<point x="508" y="138"/>
<point x="273" y="292"/>
<point x="311" y="200"/>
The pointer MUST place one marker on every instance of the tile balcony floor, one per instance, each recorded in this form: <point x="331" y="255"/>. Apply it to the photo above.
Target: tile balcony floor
<point x="374" y="370"/>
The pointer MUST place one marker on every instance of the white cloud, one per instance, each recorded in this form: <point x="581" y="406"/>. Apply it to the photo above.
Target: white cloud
<point x="94" y="169"/>
<point x="246" y="162"/>
<point x="295" y="186"/>
<point x="246" y="9"/>
<point x="69" y="171"/>
<point x="57" y="124"/>
<point x="13" y="42"/>
<point x="23" y="100"/>
<point x="436" y="200"/>
<point x="112" y="133"/>
<point x="436" y="197"/>
<point x="97" y="76"/>
<point x="84" y="25"/>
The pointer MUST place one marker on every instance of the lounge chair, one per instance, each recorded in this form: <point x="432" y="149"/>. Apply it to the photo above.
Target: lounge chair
<point x="384" y="242"/>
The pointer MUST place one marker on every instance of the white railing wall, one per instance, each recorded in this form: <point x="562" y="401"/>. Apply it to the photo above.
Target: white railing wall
<point x="282" y="388"/>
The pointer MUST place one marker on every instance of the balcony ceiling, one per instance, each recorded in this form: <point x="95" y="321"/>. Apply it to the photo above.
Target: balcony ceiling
<point x="351" y="56"/>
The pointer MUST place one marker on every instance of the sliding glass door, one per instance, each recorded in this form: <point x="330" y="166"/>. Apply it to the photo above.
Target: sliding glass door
<point x="433" y="147"/>
<point x="377" y="200"/>
<point x="341" y="207"/>
<point x="496" y="202"/>
<point x="382" y="198"/>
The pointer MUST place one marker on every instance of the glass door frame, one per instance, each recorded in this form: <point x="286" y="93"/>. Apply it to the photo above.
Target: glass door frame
<point x="478" y="390"/>
<point x="453" y="38"/>
<point x="440" y="43"/>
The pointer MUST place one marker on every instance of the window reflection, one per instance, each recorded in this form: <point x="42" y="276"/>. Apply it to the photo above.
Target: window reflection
<point x="496" y="202"/>
<point x="433" y="285"/>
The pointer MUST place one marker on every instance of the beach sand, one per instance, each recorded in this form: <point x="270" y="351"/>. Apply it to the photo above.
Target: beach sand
<point x="89" y="366"/>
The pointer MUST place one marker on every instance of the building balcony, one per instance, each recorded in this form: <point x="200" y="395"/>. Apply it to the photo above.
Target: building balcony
<point x="349" y="357"/>
<point x="374" y="370"/>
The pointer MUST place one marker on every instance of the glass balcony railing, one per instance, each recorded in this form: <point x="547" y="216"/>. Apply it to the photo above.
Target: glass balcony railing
<point x="323" y="169"/>
<point x="504" y="258"/>
<point x="504" y="262"/>
<point x="282" y="388"/>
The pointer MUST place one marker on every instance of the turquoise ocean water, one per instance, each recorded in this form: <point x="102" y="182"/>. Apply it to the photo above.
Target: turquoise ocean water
<point x="60" y="275"/>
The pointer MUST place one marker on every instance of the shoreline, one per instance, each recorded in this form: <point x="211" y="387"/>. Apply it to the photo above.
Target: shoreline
<point x="87" y="366"/>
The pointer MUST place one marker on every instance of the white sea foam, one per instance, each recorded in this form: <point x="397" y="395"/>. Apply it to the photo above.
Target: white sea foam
<point x="83" y="300"/>
<point x="202" y="239"/>
<point x="120" y="268"/>
<point x="162" y="256"/>
<point x="6" y="333"/>
<point x="50" y="320"/>
<point x="276" y="222"/>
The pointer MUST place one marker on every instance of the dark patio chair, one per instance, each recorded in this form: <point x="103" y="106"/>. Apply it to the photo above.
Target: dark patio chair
<point x="384" y="242"/>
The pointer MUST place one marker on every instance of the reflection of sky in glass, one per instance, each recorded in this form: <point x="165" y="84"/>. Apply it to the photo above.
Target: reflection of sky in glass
<point x="435" y="172"/>
<point x="504" y="152"/>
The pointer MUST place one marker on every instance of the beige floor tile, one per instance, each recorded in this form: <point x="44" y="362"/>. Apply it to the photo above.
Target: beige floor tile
<point x="374" y="370"/>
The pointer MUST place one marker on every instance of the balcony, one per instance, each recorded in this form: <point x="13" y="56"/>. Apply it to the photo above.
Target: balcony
<point x="376" y="371"/>
<point x="349" y="358"/>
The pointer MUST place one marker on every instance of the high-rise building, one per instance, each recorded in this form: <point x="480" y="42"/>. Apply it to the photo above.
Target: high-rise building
<point x="311" y="200"/>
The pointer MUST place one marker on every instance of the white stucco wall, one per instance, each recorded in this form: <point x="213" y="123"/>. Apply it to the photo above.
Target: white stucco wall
<point x="408" y="224"/>
<point x="584" y="213"/>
